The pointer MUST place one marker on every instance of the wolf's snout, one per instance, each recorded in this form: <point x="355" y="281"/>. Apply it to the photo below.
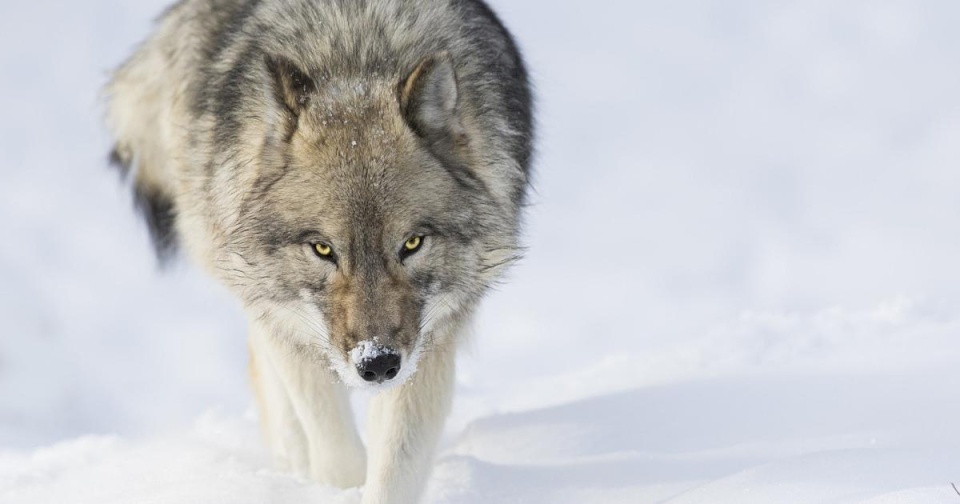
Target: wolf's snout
<point x="384" y="366"/>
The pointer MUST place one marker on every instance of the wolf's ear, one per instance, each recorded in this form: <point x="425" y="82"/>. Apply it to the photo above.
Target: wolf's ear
<point x="291" y="86"/>
<point x="430" y="99"/>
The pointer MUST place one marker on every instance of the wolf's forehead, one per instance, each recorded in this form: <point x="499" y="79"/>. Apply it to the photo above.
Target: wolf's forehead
<point x="362" y="143"/>
<point x="350" y="195"/>
<point x="357" y="162"/>
<point x="345" y="105"/>
<point x="377" y="197"/>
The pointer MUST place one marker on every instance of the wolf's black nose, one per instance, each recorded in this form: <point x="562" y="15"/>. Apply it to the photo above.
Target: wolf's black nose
<point x="382" y="367"/>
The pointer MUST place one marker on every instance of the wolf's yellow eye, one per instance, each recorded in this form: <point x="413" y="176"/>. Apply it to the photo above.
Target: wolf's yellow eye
<point x="322" y="249"/>
<point x="413" y="244"/>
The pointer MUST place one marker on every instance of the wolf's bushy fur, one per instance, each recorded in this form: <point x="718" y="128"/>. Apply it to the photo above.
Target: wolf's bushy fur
<point x="257" y="130"/>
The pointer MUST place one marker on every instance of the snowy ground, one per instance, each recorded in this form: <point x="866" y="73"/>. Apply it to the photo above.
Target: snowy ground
<point x="742" y="282"/>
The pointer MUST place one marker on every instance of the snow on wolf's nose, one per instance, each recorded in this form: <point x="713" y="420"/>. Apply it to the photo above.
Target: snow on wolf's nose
<point x="375" y="363"/>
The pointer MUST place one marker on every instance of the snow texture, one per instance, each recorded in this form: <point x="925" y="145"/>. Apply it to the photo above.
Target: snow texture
<point x="741" y="283"/>
<point x="366" y="350"/>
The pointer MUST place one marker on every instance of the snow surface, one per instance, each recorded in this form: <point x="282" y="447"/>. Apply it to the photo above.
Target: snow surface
<point x="741" y="285"/>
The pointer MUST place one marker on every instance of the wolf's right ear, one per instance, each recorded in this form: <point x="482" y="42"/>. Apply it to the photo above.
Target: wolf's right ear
<point x="291" y="86"/>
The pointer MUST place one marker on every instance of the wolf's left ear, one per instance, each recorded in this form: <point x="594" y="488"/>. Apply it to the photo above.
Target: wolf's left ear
<point x="430" y="99"/>
<point x="291" y="85"/>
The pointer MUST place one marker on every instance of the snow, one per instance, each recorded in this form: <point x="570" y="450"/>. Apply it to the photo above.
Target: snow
<point x="219" y="460"/>
<point x="366" y="350"/>
<point x="741" y="283"/>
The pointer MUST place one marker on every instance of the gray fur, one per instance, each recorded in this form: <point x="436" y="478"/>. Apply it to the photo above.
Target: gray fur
<point x="266" y="126"/>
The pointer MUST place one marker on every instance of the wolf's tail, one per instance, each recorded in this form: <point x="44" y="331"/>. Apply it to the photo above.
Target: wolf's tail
<point x="137" y="111"/>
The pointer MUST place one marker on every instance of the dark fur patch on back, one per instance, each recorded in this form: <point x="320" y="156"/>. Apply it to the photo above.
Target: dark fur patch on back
<point x="514" y="83"/>
<point x="160" y="215"/>
<point x="117" y="161"/>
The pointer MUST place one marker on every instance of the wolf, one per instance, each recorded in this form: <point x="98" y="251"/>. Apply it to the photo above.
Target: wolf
<point x="355" y="172"/>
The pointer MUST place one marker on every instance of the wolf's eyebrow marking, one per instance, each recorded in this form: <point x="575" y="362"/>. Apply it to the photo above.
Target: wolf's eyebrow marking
<point x="276" y="234"/>
<point x="427" y="226"/>
<point x="311" y="235"/>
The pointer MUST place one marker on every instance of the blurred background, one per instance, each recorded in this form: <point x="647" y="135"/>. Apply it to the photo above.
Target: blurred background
<point x="723" y="188"/>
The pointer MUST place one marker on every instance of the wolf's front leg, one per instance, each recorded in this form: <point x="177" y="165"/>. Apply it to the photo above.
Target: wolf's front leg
<point x="334" y="452"/>
<point x="278" y="421"/>
<point x="404" y="425"/>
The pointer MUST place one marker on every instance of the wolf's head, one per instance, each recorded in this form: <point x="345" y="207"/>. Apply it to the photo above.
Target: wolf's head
<point x="372" y="218"/>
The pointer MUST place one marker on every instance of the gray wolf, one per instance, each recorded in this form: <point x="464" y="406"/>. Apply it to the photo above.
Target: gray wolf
<point x="354" y="171"/>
